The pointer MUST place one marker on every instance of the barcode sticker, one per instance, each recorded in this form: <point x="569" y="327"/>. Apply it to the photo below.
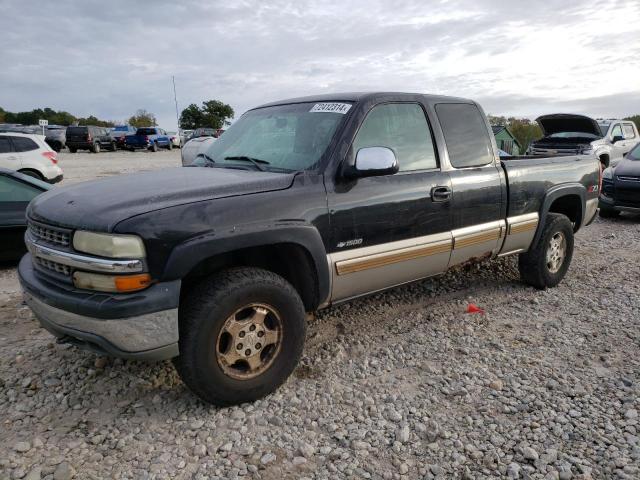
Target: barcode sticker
<point x="331" y="107"/>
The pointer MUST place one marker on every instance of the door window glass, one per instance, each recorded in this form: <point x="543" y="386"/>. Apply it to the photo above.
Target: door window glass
<point x="617" y="131"/>
<point x="466" y="134"/>
<point x="5" y="145"/>
<point x="23" y="144"/>
<point x="12" y="190"/>
<point x="403" y="128"/>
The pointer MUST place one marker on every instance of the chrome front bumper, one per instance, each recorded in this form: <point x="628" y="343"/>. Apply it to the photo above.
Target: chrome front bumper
<point x="152" y="336"/>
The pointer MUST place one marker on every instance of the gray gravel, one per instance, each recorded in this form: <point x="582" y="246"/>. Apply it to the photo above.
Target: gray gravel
<point x="403" y="384"/>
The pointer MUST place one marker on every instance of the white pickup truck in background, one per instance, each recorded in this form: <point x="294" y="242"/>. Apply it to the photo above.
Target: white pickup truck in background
<point x="570" y="134"/>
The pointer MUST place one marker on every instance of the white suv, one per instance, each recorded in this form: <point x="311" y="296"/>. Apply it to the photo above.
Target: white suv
<point x="29" y="154"/>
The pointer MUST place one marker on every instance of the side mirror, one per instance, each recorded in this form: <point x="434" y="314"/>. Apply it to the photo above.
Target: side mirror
<point x="617" y="138"/>
<point x="374" y="162"/>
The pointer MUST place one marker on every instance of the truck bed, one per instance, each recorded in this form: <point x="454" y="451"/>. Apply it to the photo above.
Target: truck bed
<point x="529" y="178"/>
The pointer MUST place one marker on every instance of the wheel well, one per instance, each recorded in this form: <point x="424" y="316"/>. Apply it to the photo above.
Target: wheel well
<point x="571" y="207"/>
<point x="32" y="170"/>
<point x="289" y="260"/>
<point x="604" y="159"/>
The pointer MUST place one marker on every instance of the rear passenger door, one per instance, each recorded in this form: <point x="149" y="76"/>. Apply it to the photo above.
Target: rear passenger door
<point x="478" y="203"/>
<point x="389" y="230"/>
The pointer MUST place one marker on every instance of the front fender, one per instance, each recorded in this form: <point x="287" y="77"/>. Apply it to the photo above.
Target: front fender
<point x="192" y="252"/>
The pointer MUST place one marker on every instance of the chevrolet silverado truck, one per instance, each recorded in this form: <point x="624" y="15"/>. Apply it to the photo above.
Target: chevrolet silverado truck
<point x="300" y="205"/>
<point x="570" y="134"/>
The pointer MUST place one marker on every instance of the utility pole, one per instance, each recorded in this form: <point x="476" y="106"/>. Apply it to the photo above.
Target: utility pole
<point x="175" y="99"/>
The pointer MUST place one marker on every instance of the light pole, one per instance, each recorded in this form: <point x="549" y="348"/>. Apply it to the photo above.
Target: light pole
<point x="175" y="99"/>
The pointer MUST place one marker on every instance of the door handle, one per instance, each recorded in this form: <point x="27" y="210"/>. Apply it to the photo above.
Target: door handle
<point x="440" y="194"/>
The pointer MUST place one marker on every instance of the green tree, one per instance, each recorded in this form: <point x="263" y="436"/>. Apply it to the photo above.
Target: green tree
<point x="191" y="117"/>
<point x="92" y="120"/>
<point x="142" y="118"/>
<point x="524" y="130"/>
<point x="635" y="119"/>
<point x="216" y="114"/>
<point x="212" y="114"/>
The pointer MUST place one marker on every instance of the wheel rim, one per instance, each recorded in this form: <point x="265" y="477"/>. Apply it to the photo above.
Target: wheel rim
<point x="556" y="252"/>
<point x="249" y="341"/>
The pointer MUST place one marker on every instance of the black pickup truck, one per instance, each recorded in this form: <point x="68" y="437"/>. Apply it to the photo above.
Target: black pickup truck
<point x="300" y="205"/>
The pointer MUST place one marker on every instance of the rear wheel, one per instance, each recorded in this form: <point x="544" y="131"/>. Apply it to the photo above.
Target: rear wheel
<point x="96" y="148"/>
<point x="73" y="149"/>
<point x="154" y="147"/>
<point x="546" y="263"/>
<point x="241" y="335"/>
<point x="113" y="146"/>
<point x="170" y="146"/>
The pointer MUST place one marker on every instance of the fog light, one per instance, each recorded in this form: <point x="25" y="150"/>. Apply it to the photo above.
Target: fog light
<point x="111" y="283"/>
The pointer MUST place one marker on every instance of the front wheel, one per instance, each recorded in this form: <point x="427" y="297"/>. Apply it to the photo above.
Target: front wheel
<point x="154" y="147"/>
<point x="241" y="335"/>
<point x="546" y="263"/>
<point x="114" y="147"/>
<point x="96" y="148"/>
<point x="170" y="146"/>
<point x="73" y="149"/>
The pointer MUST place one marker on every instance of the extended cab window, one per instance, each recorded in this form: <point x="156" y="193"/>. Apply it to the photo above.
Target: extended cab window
<point x="22" y="144"/>
<point x="403" y="128"/>
<point x="465" y="134"/>
<point x="628" y="131"/>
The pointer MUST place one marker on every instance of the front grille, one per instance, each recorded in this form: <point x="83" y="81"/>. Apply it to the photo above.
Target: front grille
<point x="53" y="266"/>
<point x="626" y="178"/>
<point x="49" y="235"/>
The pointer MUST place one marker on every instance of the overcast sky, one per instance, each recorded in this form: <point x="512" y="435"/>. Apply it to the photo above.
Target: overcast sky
<point x="110" y="58"/>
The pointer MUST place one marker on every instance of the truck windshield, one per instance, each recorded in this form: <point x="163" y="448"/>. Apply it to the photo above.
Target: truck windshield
<point x="284" y="137"/>
<point x="634" y="154"/>
<point x="146" y="131"/>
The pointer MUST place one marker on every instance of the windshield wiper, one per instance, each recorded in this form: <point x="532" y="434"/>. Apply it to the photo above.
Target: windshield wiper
<point x="206" y="157"/>
<point x="255" y="161"/>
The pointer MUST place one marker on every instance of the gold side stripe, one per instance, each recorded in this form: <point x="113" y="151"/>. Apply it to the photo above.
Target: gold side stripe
<point x="478" y="238"/>
<point x="380" y="260"/>
<point x="523" y="227"/>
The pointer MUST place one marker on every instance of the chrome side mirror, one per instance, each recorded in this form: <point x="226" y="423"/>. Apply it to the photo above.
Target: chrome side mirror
<point x="374" y="162"/>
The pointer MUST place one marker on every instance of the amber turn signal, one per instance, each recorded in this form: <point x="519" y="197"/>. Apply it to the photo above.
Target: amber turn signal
<point x="131" y="283"/>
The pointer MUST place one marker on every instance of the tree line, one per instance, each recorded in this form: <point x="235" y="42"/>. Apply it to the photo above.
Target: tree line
<point x="212" y="114"/>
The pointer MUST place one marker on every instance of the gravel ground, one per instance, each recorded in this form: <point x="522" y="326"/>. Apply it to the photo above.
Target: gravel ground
<point x="403" y="384"/>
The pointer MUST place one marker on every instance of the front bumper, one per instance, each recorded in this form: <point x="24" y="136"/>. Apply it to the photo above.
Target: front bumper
<point x="607" y="203"/>
<point x="141" y="325"/>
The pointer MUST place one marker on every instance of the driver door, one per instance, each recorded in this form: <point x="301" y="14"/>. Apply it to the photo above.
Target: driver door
<point x="388" y="230"/>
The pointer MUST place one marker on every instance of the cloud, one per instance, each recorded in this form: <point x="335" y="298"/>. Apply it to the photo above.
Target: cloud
<point x="112" y="58"/>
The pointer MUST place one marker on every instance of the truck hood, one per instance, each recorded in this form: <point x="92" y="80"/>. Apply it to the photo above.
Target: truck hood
<point x="628" y="167"/>
<point x="567" y="122"/>
<point x="100" y="204"/>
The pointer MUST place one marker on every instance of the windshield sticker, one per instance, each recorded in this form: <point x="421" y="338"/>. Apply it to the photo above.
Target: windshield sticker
<point x="331" y="107"/>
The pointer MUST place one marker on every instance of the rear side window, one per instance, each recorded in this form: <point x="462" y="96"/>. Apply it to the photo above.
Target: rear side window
<point x="628" y="131"/>
<point x="21" y="144"/>
<point x="403" y="128"/>
<point x="5" y="145"/>
<point x="77" y="130"/>
<point x="465" y="134"/>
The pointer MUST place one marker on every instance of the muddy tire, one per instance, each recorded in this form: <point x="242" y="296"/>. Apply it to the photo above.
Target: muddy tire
<point x="608" y="213"/>
<point x="242" y="333"/>
<point x="546" y="263"/>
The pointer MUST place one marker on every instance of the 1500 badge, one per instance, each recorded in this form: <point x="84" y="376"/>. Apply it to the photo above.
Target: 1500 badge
<point x="350" y="243"/>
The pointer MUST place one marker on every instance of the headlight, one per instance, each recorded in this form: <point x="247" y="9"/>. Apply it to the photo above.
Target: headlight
<point x="111" y="283"/>
<point x="587" y="150"/>
<point x="607" y="174"/>
<point x="107" y="245"/>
